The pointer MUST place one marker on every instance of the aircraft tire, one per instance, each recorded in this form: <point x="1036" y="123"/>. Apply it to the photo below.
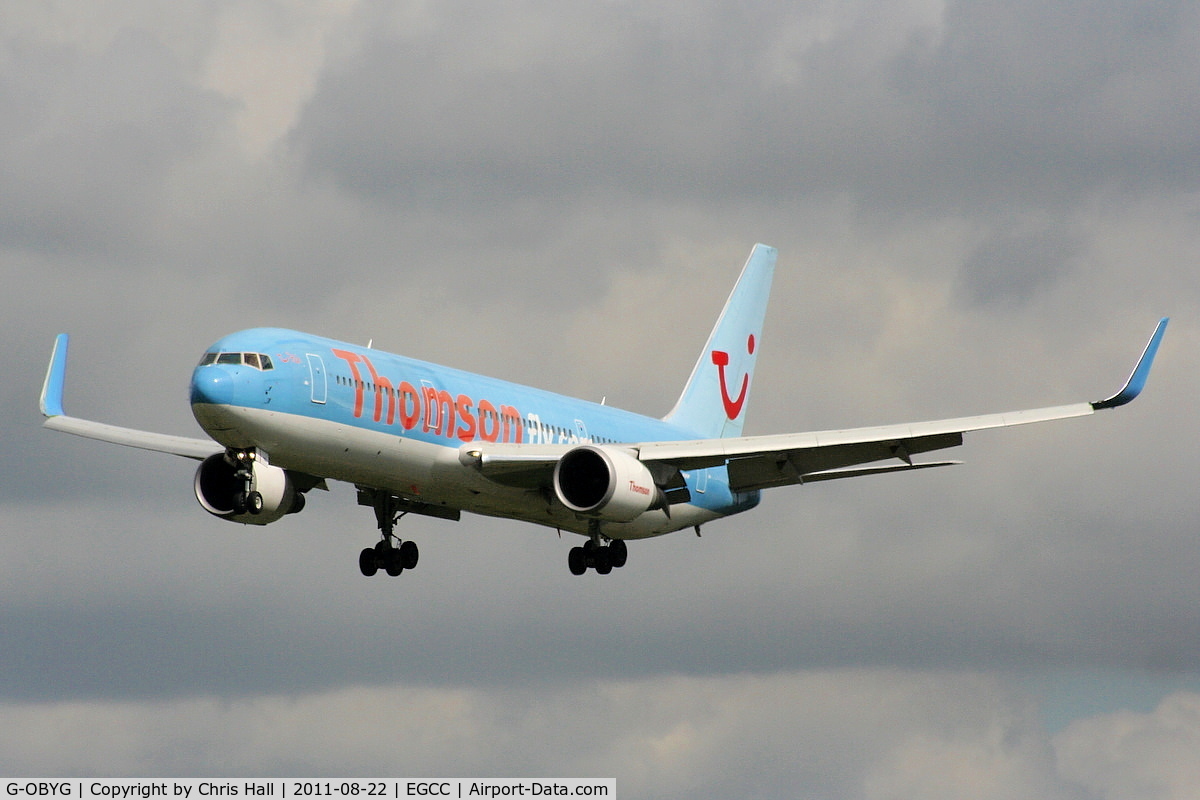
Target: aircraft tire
<point x="602" y="560"/>
<point x="618" y="553"/>
<point x="409" y="554"/>
<point x="367" y="563"/>
<point x="254" y="502"/>
<point x="577" y="561"/>
<point x="393" y="562"/>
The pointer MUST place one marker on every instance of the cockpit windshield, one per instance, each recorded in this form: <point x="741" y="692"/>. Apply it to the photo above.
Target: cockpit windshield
<point x="260" y="361"/>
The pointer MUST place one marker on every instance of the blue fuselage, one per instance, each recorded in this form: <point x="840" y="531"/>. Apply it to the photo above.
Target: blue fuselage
<point x="336" y="410"/>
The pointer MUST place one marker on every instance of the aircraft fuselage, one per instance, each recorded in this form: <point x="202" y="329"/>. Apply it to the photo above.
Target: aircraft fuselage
<point x="364" y="416"/>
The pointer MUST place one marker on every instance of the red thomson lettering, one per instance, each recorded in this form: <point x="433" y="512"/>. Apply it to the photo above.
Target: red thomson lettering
<point x="444" y="410"/>
<point x="353" y="360"/>
<point x="487" y="413"/>
<point x="512" y="427"/>
<point x="443" y="413"/>
<point x="382" y="387"/>
<point x="467" y="431"/>
<point x="409" y="399"/>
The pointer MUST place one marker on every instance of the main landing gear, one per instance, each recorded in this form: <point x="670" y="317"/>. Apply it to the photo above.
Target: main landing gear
<point x="594" y="555"/>
<point x="391" y="555"/>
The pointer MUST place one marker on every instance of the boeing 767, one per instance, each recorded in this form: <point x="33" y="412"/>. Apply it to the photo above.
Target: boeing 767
<point x="287" y="411"/>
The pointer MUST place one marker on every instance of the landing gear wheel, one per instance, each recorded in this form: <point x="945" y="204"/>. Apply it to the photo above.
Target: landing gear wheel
<point x="389" y="554"/>
<point x="409" y="554"/>
<point x="618" y="553"/>
<point x="367" y="562"/>
<point x="254" y="502"/>
<point x="393" y="563"/>
<point x="603" y="558"/>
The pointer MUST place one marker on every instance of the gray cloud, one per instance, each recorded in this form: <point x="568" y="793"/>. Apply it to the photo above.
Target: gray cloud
<point x="88" y="138"/>
<point x="987" y="105"/>
<point x="855" y="734"/>
<point x="1012" y="267"/>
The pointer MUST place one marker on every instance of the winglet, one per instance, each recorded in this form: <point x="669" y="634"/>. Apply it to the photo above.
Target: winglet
<point x="56" y="375"/>
<point x="1137" y="380"/>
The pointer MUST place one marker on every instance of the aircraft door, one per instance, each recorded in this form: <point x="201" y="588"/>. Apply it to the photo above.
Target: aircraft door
<point x="317" y="380"/>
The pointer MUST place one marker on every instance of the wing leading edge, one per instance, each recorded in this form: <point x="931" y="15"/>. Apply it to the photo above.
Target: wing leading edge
<point x="58" y="420"/>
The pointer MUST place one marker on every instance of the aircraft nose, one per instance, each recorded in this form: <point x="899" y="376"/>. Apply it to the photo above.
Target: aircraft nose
<point x="213" y="385"/>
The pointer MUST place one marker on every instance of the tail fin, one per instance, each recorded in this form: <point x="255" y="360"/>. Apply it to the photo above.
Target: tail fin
<point x="713" y="404"/>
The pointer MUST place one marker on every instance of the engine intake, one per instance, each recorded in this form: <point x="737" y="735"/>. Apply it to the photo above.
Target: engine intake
<point x="607" y="483"/>
<point x="218" y="486"/>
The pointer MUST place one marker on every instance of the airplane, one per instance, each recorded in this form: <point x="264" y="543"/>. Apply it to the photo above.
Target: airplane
<point x="287" y="411"/>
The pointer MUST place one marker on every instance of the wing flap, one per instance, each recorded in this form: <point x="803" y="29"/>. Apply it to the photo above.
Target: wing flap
<point x="889" y="468"/>
<point x="786" y="467"/>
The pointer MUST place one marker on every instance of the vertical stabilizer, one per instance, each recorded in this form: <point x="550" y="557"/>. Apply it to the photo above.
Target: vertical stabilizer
<point x="713" y="404"/>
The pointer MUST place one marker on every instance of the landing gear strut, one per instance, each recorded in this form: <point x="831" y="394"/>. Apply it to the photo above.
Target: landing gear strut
<point x="248" y="499"/>
<point x="390" y="554"/>
<point x="600" y="557"/>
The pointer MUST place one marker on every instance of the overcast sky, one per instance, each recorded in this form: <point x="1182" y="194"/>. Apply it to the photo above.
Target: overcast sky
<point x="978" y="206"/>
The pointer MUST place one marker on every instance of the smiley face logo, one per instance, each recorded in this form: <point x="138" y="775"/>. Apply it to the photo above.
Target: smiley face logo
<point x="733" y="406"/>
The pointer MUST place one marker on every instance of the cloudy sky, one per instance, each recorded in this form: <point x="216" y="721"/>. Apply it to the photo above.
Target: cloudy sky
<point x="978" y="206"/>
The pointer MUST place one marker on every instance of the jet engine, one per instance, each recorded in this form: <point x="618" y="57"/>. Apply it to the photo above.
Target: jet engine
<point x="607" y="483"/>
<point x="222" y="492"/>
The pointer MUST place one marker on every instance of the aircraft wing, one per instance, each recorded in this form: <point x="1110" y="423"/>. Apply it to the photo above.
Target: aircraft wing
<point x="760" y="462"/>
<point x="57" y="419"/>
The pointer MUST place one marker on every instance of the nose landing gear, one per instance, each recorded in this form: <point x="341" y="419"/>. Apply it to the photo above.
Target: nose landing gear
<point x="248" y="500"/>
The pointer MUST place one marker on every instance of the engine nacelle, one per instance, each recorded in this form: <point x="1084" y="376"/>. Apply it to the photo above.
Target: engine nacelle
<point x="607" y="483"/>
<point x="218" y="487"/>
